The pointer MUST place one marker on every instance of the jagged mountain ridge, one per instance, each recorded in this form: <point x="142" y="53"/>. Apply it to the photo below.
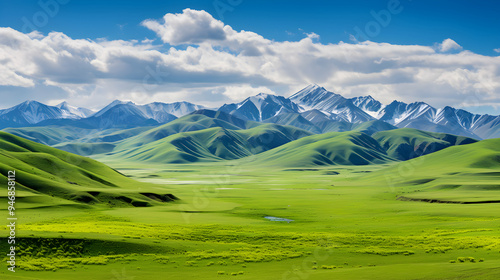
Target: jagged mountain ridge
<point x="313" y="108"/>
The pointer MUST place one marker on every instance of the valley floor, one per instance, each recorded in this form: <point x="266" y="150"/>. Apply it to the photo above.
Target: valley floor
<point x="346" y="223"/>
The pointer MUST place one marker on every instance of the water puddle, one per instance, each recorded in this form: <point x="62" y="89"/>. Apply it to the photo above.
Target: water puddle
<point x="277" y="219"/>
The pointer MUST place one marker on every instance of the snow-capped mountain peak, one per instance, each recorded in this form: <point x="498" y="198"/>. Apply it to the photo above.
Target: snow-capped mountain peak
<point x="111" y="105"/>
<point x="261" y="107"/>
<point x="72" y="112"/>
<point x="316" y="97"/>
<point x="369" y="105"/>
<point x="29" y="112"/>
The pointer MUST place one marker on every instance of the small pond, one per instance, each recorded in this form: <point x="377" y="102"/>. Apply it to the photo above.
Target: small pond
<point x="277" y="219"/>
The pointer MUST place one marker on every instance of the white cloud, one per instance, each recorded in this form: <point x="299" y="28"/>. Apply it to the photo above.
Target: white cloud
<point x="448" y="45"/>
<point x="199" y="27"/>
<point x="240" y="92"/>
<point x="497" y="50"/>
<point x="312" y="36"/>
<point x="189" y="27"/>
<point x="221" y="65"/>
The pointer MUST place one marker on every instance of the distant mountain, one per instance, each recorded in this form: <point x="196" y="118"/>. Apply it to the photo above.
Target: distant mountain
<point x="74" y="112"/>
<point x="125" y="115"/>
<point x="368" y="104"/>
<point x="177" y="109"/>
<point x="334" y="105"/>
<point x="260" y="107"/>
<point x="313" y="108"/>
<point x="33" y="112"/>
<point x="420" y="115"/>
<point x="122" y="114"/>
<point x="160" y="112"/>
<point x="319" y="106"/>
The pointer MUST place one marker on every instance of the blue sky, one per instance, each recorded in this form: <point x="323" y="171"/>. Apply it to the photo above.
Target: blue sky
<point x="474" y="25"/>
<point x="440" y="52"/>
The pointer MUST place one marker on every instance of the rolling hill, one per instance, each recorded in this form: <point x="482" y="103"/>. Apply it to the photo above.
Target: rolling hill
<point x="61" y="135"/>
<point x="48" y="176"/>
<point x="211" y="144"/>
<point x="195" y="121"/>
<point x="334" y="148"/>
<point x="459" y="174"/>
<point x="407" y="143"/>
<point x="358" y="148"/>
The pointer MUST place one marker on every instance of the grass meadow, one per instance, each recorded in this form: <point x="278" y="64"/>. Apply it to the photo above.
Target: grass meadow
<point x="348" y="222"/>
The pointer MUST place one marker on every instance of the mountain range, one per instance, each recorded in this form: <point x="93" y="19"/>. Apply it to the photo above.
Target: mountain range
<point x="313" y="108"/>
<point x="207" y="136"/>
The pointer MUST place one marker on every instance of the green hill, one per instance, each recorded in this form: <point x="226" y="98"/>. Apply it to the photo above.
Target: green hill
<point x="294" y="119"/>
<point x="282" y="145"/>
<point x="216" y="143"/>
<point x="334" y="148"/>
<point x="407" y="143"/>
<point x="372" y="127"/>
<point x="459" y="174"/>
<point x="56" y="135"/>
<point x="86" y="149"/>
<point x="50" y="176"/>
<point x="324" y="125"/>
<point x="192" y="122"/>
<point x="49" y="135"/>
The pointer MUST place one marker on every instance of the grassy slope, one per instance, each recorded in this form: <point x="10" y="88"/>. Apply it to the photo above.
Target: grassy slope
<point x="467" y="173"/>
<point x="192" y="122"/>
<point x="48" y="135"/>
<point x="62" y="135"/>
<point x="280" y="145"/>
<point x="334" y="148"/>
<point x="44" y="172"/>
<point x="407" y="143"/>
<point x="347" y="217"/>
<point x="206" y="145"/>
<point x="343" y="221"/>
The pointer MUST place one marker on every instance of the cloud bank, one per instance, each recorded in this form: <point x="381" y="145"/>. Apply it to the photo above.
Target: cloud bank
<point x="203" y="60"/>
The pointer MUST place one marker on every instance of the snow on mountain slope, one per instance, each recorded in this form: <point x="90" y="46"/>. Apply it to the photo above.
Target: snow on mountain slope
<point x="32" y="112"/>
<point x="261" y="107"/>
<point x="177" y="109"/>
<point x="160" y="112"/>
<point x="316" y="97"/>
<point x="314" y="104"/>
<point x="72" y="112"/>
<point x="368" y="104"/>
<point x="397" y="112"/>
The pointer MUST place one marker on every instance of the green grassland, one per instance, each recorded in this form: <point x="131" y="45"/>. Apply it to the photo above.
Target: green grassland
<point x="354" y="213"/>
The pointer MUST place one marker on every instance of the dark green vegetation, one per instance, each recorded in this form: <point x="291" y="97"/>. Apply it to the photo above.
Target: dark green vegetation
<point x="406" y="143"/>
<point x="206" y="145"/>
<point x="280" y="145"/>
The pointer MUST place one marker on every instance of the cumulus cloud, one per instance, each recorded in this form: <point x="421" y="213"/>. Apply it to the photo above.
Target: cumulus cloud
<point x="448" y="45"/>
<point x="189" y="27"/>
<point x="192" y="27"/>
<point x="218" y="64"/>
<point x="497" y="50"/>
